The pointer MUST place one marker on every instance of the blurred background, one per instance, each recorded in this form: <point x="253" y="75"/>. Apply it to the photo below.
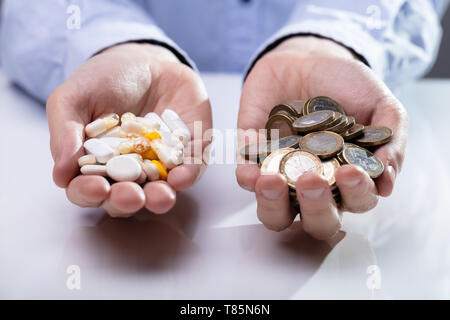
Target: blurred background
<point x="441" y="69"/>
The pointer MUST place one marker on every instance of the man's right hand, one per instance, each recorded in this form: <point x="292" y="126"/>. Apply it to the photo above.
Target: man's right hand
<point x="138" y="78"/>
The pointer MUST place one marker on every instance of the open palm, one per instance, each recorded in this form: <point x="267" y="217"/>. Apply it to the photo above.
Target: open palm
<point x="138" y="78"/>
<point x="301" y="68"/>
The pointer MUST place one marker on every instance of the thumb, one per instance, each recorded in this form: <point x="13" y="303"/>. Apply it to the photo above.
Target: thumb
<point x="66" y="135"/>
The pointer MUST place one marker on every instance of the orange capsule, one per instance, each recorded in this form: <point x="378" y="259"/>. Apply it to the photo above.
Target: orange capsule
<point x="150" y="155"/>
<point x="162" y="171"/>
<point x="152" y="135"/>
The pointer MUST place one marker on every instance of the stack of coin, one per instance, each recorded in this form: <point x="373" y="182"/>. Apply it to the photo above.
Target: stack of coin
<point x="316" y="136"/>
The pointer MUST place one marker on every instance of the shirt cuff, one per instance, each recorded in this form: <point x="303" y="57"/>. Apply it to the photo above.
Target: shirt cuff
<point x="348" y="34"/>
<point x="95" y="37"/>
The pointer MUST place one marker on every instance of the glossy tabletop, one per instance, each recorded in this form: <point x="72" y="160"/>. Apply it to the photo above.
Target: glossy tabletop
<point x="211" y="245"/>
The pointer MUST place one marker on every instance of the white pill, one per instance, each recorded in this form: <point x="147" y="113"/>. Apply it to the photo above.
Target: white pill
<point x="154" y="117"/>
<point x="113" y="132"/>
<point x="113" y="142"/>
<point x="101" y="125"/>
<point x="123" y="168"/>
<point x="149" y="123"/>
<point x="87" y="159"/>
<point x="94" y="169"/>
<point x="151" y="170"/>
<point x="174" y="122"/>
<point x="99" y="149"/>
<point x="170" y="140"/>
<point x="135" y="156"/>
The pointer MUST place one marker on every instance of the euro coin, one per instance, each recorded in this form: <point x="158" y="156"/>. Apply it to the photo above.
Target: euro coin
<point x="260" y="150"/>
<point x="354" y="132"/>
<point x="298" y="162"/>
<point x="271" y="163"/>
<point x="374" y="136"/>
<point x="329" y="170"/>
<point x="279" y="122"/>
<point x="322" y="103"/>
<point x="324" y="144"/>
<point x="294" y="108"/>
<point x="313" y="121"/>
<point x="339" y="127"/>
<point x="358" y="156"/>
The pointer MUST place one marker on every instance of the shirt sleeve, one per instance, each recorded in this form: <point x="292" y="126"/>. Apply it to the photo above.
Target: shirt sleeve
<point x="399" y="39"/>
<point x="44" y="42"/>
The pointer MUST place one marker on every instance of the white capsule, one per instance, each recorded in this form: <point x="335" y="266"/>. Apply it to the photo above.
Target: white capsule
<point x="174" y="122"/>
<point x="154" y="117"/>
<point x="113" y="142"/>
<point x="182" y="136"/>
<point x="133" y="126"/>
<point x="99" y="149"/>
<point x="94" y="169"/>
<point x="127" y="116"/>
<point x="87" y="159"/>
<point x="150" y="123"/>
<point x="170" y="140"/>
<point x="112" y="133"/>
<point x="123" y="168"/>
<point x="151" y="170"/>
<point x="101" y="125"/>
<point x="169" y="156"/>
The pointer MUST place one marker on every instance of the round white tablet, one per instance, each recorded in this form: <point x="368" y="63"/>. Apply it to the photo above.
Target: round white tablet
<point x="123" y="168"/>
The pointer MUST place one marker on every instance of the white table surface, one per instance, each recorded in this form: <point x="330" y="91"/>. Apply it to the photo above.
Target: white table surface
<point x="211" y="245"/>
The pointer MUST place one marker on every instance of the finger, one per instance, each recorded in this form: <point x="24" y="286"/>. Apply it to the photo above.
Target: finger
<point x="391" y="114"/>
<point x="358" y="190"/>
<point x="247" y="175"/>
<point x="247" y="172"/>
<point x="124" y="200"/>
<point x="184" y="176"/>
<point x="88" y="191"/>
<point x="272" y="196"/>
<point x="66" y="135"/>
<point x="159" y="197"/>
<point x="319" y="215"/>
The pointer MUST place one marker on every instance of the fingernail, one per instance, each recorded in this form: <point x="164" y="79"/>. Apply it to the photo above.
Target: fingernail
<point x="352" y="182"/>
<point x="391" y="171"/>
<point x="313" y="193"/>
<point x="271" y="194"/>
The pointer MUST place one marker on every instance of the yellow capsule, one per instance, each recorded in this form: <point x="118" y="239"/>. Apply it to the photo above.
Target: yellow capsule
<point x="150" y="154"/>
<point x="162" y="171"/>
<point x="152" y="135"/>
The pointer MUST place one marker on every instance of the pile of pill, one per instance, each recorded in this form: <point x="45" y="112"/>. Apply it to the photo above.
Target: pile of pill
<point x="133" y="148"/>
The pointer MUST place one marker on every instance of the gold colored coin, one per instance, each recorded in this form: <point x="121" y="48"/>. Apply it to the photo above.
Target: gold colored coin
<point x="324" y="144"/>
<point x="358" y="156"/>
<point x="374" y="136"/>
<point x="353" y="132"/>
<point x="322" y="103"/>
<point x="260" y="150"/>
<point x="294" y="108"/>
<point x="279" y="122"/>
<point x="298" y="162"/>
<point x="313" y="121"/>
<point x="271" y="163"/>
<point x="339" y="126"/>
<point x="329" y="170"/>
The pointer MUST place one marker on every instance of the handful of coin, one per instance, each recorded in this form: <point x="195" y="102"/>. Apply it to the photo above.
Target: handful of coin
<point x="316" y="136"/>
